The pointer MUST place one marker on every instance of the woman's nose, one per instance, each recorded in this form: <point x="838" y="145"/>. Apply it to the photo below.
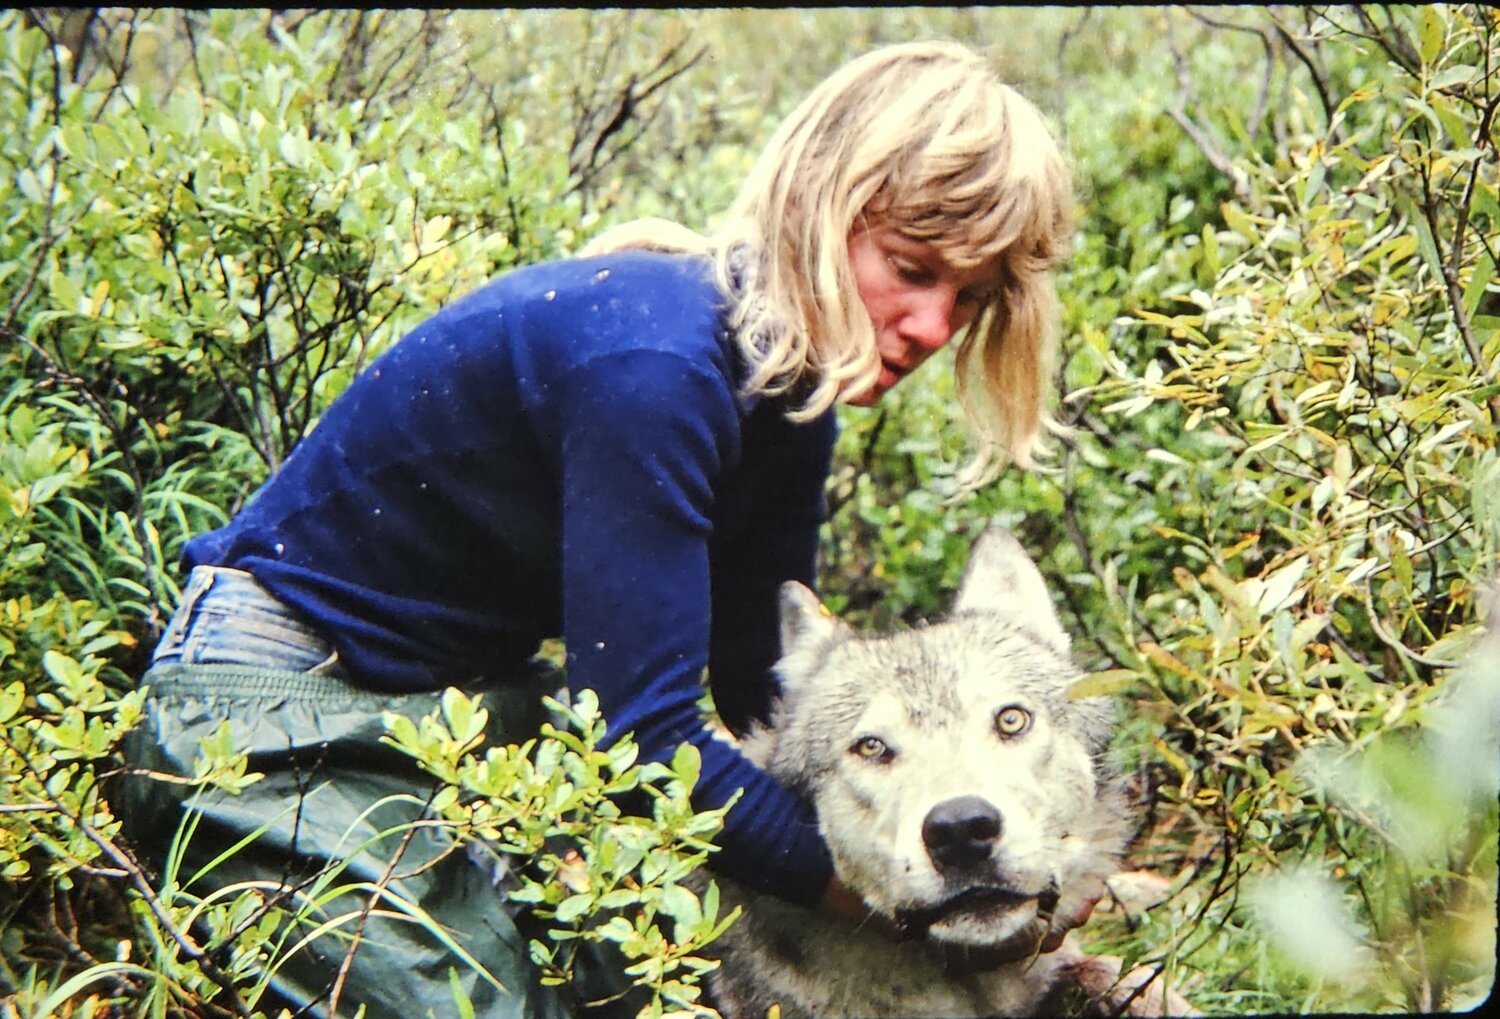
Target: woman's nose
<point x="931" y="322"/>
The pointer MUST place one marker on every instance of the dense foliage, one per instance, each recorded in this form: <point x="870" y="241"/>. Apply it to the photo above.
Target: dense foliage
<point x="1272" y="512"/>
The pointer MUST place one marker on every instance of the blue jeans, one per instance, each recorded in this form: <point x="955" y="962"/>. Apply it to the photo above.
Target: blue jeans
<point x="226" y="618"/>
<point x="336" y="808"/>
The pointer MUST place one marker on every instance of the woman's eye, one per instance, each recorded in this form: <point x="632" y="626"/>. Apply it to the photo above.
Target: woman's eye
<point x="1012" y="721"/>
<point x="911" y="272"/>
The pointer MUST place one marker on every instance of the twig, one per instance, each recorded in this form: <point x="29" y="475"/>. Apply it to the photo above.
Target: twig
<point x="1397" y="646"/>
<point x="1318" y="75"/>
<point x="364" y="917"/>
<point x="180" y="937"/>
<point x="1447" y="268"/>
<point x="1391" y="39"/>
<point x="1063" y="40"/>
<point x="1216" y="157"/>
<point x="1267" y="41"/>
<point x="587" y="156"/>
<point x="137" y="877"/>
<point x="497" y="122"/>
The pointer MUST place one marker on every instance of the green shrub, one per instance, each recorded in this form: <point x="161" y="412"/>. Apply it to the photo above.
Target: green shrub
<point x="197" y="257"/>
<point x="1329" y="361"/>
<point x="1275" y="513"/>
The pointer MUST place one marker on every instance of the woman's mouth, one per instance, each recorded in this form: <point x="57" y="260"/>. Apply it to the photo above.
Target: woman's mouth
<point x="890" y="374"/>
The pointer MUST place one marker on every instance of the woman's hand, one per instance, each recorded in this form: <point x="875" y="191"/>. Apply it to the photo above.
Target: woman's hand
<point x="1053" y="939"/>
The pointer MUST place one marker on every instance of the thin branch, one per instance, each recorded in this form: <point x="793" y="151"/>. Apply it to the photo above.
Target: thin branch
<point x="1063" y="41"/>
<point x="142" y="886"/>
<point x="1309" y="62"/>
<point x="1391" y="39"/>
<point x="119" y="68"/>
<point x="364" y="915"/>
<point x="192" y="38"/>
<point x="588" y="156"/>
<point x="497" y="124"/>
<point x="1454" y="292"/>
<point x="180" y="937"/>
<point x="1216" y="156"/>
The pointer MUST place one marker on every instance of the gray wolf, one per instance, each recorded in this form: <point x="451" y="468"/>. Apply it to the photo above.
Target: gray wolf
<point x="963" y="794"/>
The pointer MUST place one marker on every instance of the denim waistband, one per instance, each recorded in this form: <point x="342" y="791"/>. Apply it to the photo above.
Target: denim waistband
<point x="227" y="618"/>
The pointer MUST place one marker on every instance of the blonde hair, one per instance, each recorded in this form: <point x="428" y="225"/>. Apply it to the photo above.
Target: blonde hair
<point x="924" y="138"/>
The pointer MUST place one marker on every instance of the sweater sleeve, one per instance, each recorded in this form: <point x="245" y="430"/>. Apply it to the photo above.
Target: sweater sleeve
<point x="775" y="517"/>
<point x="643" y="436"/>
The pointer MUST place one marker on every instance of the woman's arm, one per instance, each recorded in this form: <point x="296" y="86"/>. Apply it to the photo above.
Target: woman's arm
<point x="643" y="438"/>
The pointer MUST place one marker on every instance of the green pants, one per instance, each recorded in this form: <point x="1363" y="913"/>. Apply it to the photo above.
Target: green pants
<point x="327" y="798"/>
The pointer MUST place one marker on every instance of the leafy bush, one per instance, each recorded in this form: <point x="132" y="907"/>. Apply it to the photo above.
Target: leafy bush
<point x="189" y="274"/>
<point x="1275" y="514"/>
<point x="595" y="873"/>
<point x="1329" y="369"/>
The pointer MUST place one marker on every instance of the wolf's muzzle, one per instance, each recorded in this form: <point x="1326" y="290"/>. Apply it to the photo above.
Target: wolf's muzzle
<point x="961" y="832"/>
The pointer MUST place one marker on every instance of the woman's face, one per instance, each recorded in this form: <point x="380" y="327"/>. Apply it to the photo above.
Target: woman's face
<point x="917" y="301"/>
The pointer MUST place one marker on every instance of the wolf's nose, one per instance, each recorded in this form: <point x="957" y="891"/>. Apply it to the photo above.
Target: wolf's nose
<point x="961" y="831"/>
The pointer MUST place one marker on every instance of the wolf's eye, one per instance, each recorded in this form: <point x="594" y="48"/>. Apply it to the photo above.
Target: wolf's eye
<point x="872" y="748"/>
<point x="1012" y="721"/>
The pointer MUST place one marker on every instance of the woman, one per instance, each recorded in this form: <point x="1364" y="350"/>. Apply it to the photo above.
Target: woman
<point x="628" y="450"/>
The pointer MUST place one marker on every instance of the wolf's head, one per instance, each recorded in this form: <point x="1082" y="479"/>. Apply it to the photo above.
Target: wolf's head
<point x="961" y="791"/>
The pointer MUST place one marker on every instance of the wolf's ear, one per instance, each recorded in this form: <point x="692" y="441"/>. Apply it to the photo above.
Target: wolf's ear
<point x="1001" y="578"/>
<point x="805" y="622"/>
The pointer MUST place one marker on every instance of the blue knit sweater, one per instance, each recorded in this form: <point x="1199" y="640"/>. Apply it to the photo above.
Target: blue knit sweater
<point x="564" y="452"/>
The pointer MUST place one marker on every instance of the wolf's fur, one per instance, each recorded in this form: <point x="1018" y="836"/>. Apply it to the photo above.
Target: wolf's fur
<point x="899" y="741"/>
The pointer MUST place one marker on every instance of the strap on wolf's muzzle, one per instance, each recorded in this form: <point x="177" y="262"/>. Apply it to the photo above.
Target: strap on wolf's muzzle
<point x="913" y="925"/>
<point x="1046" y="903"/>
